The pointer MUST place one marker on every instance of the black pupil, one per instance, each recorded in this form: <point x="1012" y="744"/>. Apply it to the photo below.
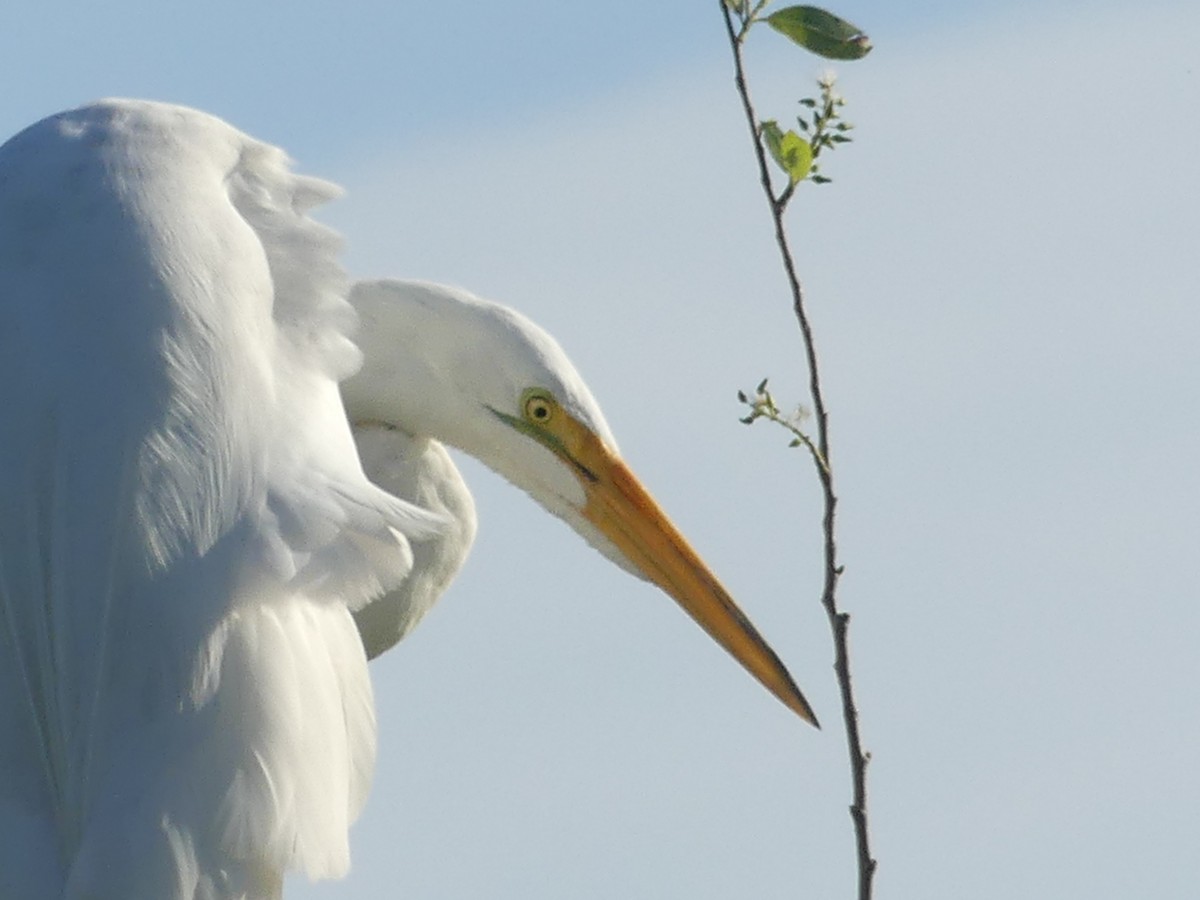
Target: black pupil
<point x="540" y="411"/>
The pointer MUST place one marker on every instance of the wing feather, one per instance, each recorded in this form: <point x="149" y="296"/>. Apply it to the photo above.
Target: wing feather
<point x="186" y="525"/>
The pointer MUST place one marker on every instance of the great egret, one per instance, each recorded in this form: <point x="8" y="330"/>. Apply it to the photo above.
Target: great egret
<point x="187" y="536"/>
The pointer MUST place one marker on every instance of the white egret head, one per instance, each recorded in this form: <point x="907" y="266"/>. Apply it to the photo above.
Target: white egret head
<point x="442" y="363"/>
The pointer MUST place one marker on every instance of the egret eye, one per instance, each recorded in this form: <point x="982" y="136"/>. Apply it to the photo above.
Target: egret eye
<point x="539" y="407"/>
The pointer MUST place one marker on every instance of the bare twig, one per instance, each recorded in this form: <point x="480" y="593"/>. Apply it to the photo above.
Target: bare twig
<point x="839" y="621"/>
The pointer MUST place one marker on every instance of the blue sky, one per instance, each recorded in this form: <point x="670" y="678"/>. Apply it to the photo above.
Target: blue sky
<point x="1004" y="277"/>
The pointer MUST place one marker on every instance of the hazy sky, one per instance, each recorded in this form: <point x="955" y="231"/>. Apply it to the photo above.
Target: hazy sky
<point x="1004" y="277"/>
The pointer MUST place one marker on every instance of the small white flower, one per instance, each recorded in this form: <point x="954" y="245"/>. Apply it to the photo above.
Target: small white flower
<point x="797" y="415"/>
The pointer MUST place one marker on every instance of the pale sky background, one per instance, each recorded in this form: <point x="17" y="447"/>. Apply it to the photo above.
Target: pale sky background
<point x="1004" y="277"/>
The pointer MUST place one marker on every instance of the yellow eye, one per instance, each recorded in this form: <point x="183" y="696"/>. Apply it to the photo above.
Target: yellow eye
<point x="539" y="407"/>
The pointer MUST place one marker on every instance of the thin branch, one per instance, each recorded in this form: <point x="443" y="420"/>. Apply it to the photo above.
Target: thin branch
<point x="780" y="203"/>
<point x="762" y="406"/>
<point x="839" y="621"/>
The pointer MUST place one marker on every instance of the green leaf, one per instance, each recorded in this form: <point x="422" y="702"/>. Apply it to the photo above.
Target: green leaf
<point x="821" y="32"/>
<point x="791" y="152"/>
<point x="770" y="132"/>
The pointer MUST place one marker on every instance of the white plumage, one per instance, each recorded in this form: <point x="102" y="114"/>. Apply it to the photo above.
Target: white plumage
<point x="187" y="534"/>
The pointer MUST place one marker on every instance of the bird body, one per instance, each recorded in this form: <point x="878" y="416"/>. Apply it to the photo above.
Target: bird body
<point x="185" y="525"/>
<point x="194" y="566"/>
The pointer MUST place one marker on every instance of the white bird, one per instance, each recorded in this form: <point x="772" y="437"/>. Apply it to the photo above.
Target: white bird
<point x="194" y="567"/>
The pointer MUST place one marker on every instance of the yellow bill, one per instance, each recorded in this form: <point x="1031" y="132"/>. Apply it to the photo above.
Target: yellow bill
<point x="624" y="511"/>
